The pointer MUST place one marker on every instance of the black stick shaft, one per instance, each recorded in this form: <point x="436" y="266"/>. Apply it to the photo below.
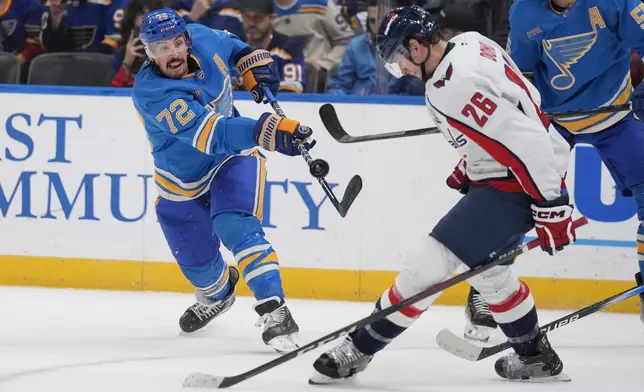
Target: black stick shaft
<point x="499" y="259"/>
<point x="304" y="152"/>
<point x="332" y="123"/>
<point x="570" y="318"/>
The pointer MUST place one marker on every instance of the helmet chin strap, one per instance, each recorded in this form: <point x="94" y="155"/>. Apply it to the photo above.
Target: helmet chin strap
<point x="423" y="72"/>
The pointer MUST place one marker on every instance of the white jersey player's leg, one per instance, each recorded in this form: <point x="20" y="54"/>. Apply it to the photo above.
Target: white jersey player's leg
<point x="468" y="234"/>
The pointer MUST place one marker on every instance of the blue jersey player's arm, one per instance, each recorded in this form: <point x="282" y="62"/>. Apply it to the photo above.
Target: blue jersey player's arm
<point x="229" y="47"/>
<point x="180" y="116"/>
<point x="523" y="50"/>
<point x="232" y="47"/>
<point x="631" y="24"/>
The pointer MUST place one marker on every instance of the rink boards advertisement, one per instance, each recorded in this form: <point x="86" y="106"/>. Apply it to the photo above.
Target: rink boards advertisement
<point x="77" y="203"/>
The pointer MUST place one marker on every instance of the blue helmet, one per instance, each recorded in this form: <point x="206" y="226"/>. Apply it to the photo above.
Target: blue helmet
<point x="399" y="26"/>
<point x="161" y="25"/>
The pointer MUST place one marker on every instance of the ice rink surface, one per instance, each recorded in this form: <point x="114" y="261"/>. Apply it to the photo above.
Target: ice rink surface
<point x="97" y="341"/>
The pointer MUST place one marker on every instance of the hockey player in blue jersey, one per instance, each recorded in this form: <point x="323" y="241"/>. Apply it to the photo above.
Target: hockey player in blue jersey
<point x="579" y="54"/>
<point x="208" y="171"/>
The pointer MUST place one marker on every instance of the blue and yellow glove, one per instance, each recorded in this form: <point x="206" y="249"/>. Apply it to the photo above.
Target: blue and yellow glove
<point x="256" y="68"/>
<point x="274" y="133"/>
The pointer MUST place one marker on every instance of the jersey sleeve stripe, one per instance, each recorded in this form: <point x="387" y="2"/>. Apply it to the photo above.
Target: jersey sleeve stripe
<point x="501" y="154"/>
<point x="211" y="133"/>
<point x="200" y="140"/>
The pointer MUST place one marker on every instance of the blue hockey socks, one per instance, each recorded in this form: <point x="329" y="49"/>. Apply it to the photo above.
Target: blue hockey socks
<point x="257" y="261"/>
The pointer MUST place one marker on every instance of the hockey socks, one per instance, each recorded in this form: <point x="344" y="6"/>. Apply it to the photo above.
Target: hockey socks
<point x="374" y="337"/>
<point x="517" y="318"/>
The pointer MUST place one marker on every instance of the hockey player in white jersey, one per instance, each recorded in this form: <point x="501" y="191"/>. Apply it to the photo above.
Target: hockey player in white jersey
<point x="517" y="163"/>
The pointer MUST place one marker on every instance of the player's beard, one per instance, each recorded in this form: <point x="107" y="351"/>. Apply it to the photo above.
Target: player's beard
<point x="256" y="36"/>
<point x="176" y="67"/>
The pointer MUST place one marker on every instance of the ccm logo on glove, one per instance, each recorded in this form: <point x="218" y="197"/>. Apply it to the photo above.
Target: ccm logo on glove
<point x="550" y="216"/>
<point x="553" y="223"/>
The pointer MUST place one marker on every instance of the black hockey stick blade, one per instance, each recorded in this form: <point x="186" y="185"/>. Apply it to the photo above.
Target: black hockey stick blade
<point x="204" y="380"/>
<point x="462" y="348"/>
<point x="332" y="124"/>
<point x="353" y="189"/>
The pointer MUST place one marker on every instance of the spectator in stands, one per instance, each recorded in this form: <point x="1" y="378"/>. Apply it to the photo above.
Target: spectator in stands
<point x="216" y="14"/>
<point x="355" y="13"/>
<point x="82" y="25"/>
<point x="356" y="74"/>
<point x="320" y="25"/>
<point x="20" y="28"/>
<point x="131" y="53"/>
<point x="258" y="17"/>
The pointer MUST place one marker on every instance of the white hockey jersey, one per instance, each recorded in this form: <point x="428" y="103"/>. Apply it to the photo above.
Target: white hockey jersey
<point x="491" y="114"/>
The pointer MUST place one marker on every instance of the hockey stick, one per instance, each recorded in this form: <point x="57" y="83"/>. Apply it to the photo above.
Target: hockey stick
<point x="320" y="168"/>
<point x="334" y="127"/>
<point x="202" y="380"/>
<point x="460" y="347"/>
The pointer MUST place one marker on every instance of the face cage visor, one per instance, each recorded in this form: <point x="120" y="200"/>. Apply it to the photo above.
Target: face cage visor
<point x="166" y="47"/>
<point x="394" y="63"/>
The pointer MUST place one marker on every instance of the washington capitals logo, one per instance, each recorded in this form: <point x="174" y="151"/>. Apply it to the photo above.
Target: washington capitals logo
<point x="448" y="75"/>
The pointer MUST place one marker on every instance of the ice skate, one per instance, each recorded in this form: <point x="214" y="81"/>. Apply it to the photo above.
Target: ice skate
<point x="638" y="279"/>
<point x="545" y="366"/>
<point x="479" y="322"/>
<point x="280" y="330"/>
<point x="340" y="364"/>
<point x="205" y="310"/>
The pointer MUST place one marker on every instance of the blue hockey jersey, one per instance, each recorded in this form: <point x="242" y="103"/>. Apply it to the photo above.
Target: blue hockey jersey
<point x="191" y="122"/>
<point x="580" y="58"/>
<point x="287" y="55"/>
<point x="20" y="24"/>
<point x="88" y="25"/>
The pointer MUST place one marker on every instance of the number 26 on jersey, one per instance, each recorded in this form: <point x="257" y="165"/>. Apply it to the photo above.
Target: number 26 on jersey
<point x="485" y="108"/>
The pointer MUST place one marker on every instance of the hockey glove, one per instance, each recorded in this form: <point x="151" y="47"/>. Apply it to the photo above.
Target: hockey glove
<point x="459" y="179"/>
<point x="257" y="68"/>
<point x="637" y="102"/>
<point x="274" y="133"/>
<point x="553" y="222"/>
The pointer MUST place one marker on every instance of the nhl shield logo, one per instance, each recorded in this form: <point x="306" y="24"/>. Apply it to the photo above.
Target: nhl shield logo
<point x="200" y="75"/>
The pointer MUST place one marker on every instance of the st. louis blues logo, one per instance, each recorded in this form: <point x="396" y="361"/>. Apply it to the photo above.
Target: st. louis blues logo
<point x="9" y="26"/>
<point x="567" y="51"/>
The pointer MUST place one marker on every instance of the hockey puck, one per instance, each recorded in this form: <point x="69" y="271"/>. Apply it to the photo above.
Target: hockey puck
<point x="319" y="168"/>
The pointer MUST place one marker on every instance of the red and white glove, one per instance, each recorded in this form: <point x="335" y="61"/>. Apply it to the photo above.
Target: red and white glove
<point x="458" y="179"/>
<point x="553" y="222"/>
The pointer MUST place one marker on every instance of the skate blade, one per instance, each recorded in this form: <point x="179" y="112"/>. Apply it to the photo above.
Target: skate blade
<point x="477" y="334"/>
<point x="561" y="377"/>
<point x="318" y="378"/>
<point x="202" y="380"/>
<point x="285" y="344"/>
